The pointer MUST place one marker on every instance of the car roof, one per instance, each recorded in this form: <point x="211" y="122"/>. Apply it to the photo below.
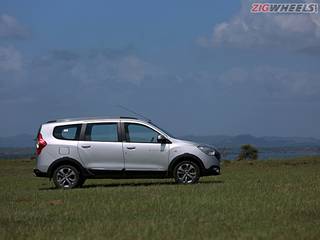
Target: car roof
<point x="84" y="119"/>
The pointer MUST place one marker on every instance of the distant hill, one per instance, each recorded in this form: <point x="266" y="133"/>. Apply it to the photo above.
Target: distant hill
<point x="27" y="140"/>
<point x="238" y="140"/>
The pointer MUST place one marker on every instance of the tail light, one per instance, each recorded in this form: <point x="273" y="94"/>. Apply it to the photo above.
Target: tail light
<point x="41" y="143"/>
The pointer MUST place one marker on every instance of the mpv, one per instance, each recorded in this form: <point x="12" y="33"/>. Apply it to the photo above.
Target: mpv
<point x="71" y="150"/>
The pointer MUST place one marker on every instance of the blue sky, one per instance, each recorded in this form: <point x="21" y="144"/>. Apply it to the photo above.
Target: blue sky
<point x="194" y="67"/>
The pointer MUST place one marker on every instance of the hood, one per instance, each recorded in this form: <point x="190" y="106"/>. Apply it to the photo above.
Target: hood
<point x="196" y="144"/>
<point x="187" y="142"/>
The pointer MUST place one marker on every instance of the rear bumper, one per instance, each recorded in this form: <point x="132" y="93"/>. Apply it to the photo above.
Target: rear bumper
<point x="38" y="173"/>
<point x="212" y="171"/>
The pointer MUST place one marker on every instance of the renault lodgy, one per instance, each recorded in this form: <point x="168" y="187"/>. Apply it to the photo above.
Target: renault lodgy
<point x="69" y="151"/>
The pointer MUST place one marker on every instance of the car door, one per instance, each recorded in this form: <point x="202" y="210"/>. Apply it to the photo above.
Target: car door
<point x="101" y="149"/>
<point x="142" y="151"/>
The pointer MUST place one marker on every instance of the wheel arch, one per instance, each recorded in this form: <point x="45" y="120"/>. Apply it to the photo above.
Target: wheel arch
<point x="66" y="161"/>
<point x="185" y="157"/>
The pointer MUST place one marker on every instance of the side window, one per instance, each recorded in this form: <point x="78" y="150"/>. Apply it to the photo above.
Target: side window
<point x="140" y="134"/>
<point x="67" y="132"/>
<point x="102" y="132"/>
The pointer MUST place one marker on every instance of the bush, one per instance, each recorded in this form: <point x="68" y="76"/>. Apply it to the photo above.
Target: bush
<point x="248" y="152"/>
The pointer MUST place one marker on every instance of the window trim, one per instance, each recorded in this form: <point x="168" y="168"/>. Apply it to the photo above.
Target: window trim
<point x="86" y="126"/>
<point x="123" y="128"/>
<point x="77" y="136"/>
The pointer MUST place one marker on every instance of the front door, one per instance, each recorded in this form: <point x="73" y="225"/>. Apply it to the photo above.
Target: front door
<point x="101" y="148"/>
<point x="142" y="151"/>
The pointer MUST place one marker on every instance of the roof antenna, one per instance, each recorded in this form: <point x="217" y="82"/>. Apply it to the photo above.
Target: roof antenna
<point x="133" y="112"/>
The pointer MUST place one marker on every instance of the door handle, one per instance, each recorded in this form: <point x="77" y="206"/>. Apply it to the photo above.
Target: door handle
<point x="85" y="146"/>
<point x="131" y="148"/>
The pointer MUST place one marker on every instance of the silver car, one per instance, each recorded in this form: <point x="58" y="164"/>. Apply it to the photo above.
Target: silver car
<point x="72" y="150"/>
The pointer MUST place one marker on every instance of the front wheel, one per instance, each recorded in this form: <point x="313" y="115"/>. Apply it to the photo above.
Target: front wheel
<point x="81" y="182"/>
<point x="186" y="172"/>
<point x="66" y="177"/>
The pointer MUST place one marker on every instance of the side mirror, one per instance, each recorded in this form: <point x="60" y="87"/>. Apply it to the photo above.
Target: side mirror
<point x="161" y="139"/>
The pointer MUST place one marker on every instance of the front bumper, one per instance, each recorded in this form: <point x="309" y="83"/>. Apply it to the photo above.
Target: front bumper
<point x="38" y="173"/>
<point x="212" y="171"/>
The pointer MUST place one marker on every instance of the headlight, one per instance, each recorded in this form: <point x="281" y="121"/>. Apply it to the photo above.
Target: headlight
<point x="208" y="150"/>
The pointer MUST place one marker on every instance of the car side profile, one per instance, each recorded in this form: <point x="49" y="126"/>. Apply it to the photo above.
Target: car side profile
<point x="69" y="151"/>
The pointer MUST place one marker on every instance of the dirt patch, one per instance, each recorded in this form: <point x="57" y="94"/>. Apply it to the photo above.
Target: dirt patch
<point x="55" y="202"/>
<point x="23" y="200"/>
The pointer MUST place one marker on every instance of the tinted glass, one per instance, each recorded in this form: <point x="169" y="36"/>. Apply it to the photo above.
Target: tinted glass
<point x="165" y="131"/>
<point x="140" y="133"/>
<point x="102" y="132"/>
<point x="68" y="132"/>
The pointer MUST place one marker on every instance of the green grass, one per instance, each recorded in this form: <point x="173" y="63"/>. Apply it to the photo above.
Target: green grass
<point x="250" y="200"/>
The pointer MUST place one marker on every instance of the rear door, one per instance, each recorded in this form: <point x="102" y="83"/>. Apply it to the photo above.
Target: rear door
<point x="101" y="148"/>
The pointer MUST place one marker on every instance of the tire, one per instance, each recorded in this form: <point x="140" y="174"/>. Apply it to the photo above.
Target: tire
<point x="67" y="177"/>
<point x="81" y="181"/>
<point x="186" y="172"/>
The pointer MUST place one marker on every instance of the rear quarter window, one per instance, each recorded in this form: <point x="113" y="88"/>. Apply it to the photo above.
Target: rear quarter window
<point x="67" y="132"/>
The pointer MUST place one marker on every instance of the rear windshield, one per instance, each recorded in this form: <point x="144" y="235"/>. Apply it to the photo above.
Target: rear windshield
<point x="67" y="132"/>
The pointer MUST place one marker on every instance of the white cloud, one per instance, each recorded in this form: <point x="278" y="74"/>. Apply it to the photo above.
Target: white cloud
<point x="131" y="69"/>
<point x="272" y="81"/>
<point x="10" y="59"/>
<point x="246" y="29"/>
<point x="104" y="68"/>
<point x="65" y="72"/>
<point x="10" y="28"/>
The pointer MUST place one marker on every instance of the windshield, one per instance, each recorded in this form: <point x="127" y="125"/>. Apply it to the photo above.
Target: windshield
<point x="166" y="132"/>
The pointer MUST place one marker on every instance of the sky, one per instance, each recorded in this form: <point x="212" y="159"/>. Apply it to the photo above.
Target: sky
<point x="193" y="67"/>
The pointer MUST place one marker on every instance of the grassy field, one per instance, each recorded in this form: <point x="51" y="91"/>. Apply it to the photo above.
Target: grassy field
<point x="250" y="200"/>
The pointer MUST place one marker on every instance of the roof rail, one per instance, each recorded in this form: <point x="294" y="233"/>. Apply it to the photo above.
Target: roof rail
<point x="51" y="121"/>
<point x="87" y="118"/>
<point x="128" y="117"/>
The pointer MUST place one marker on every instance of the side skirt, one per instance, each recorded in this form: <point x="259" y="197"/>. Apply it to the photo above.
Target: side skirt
<point x="123" y="174"/>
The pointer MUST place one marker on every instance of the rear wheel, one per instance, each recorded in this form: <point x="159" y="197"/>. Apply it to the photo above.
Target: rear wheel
<point x="186" y="172"/>
<point x="67" y="176"/>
